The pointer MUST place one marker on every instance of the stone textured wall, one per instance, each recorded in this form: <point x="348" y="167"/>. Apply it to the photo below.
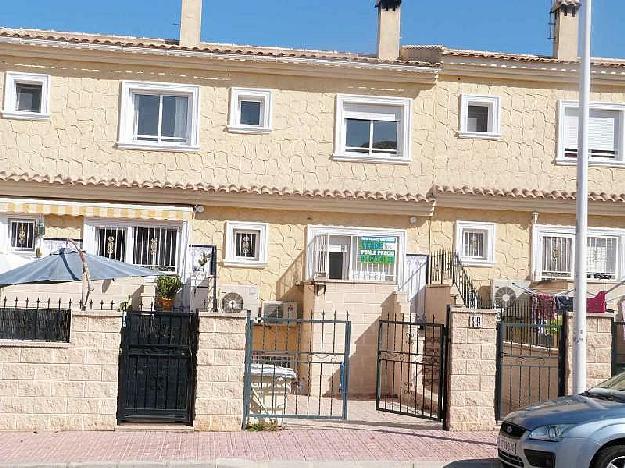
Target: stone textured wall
<point x="72" y="386"/>
<point x="471" y="373"/>
<point x="598" y="350"/>
<point x="79" y="139"/>
<point x="220" y="371"/>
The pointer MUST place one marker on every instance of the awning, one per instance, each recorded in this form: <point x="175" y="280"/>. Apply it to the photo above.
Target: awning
<point x="95" y="209"/>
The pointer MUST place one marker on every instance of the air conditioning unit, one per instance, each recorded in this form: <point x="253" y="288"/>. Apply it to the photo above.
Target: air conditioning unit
<point x="507" y="292"/>
<point x="279" y="310"/>
<point x="235" y="298"/>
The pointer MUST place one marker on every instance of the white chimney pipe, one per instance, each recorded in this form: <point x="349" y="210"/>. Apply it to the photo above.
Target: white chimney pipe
<point x="389" y="29"/>
<point x="190" y="23"/>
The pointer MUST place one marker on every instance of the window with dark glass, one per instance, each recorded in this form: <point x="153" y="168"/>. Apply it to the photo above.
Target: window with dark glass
<point x="28" y="97"/>
<point x="371" y="136"/>
<point x="246" y="244"/>
<point x="112" y="243"/>
<point x="155" y="247"/>
<point x="161" y="118"/>
<point x="251" y="113"/>
<point x="22" y="234"/>
<point x="477" y="118"/>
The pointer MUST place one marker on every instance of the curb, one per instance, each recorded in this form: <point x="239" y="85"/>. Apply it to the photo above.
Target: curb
<point x="241" y="463"/>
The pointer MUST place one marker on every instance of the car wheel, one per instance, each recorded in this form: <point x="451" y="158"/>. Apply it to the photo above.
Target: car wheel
<point x="610" y="457"/>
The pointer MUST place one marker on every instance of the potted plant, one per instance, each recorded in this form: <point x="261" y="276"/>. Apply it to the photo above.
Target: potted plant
<point x="166" y="288"/>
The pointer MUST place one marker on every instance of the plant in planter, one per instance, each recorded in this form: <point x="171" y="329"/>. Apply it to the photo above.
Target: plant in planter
<point x="166" y="288"/>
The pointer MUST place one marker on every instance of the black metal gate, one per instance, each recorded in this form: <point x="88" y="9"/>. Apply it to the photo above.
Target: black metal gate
<point x="296" y="368"/>
<point x="531" y="360"/>
<point x="411" y="368"/>
<point x="618" y="346"/>
<point x="157" y="371"/>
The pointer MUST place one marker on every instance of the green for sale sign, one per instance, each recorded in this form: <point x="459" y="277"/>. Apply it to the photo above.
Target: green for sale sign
<point x="377" y="250"/>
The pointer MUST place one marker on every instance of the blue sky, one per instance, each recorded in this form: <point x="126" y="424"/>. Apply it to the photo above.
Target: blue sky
<point x="503" y="25"/>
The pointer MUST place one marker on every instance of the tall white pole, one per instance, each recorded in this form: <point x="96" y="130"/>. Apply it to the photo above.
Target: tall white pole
<point x="579" y="332"/>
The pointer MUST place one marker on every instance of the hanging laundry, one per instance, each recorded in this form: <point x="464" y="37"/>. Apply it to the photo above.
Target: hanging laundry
<point x="597" y="304"/>
<point x="564" y="304"/>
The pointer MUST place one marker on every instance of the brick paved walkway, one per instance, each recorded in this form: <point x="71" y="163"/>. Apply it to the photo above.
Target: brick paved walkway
<point x="367" y="435"/>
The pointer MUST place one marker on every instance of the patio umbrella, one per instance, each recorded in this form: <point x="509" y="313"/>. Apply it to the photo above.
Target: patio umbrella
<point x="68" y="265"/>
<point x="9" y="261"/>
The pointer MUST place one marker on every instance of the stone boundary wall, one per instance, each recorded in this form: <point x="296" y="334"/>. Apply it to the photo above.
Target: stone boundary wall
<point x="220" y="372"/>
<point x="471" y="372"/>
<point x="63" y="386"/>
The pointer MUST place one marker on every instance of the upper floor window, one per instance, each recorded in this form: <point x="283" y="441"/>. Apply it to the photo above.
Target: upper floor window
<point x="26" y="96"/>
<point x="354" y="254"/>
<point x="250" y="111"/>
<point x="475" y="242"/>
<point x="479" y="116"/>
<point x="159" y="116"/>
<point x="246" y="244"/>
<point x="374" y="129"/>
<point x="605" y="133"/>
<point x="554" y="253"/>
<point x="151" y="245"/>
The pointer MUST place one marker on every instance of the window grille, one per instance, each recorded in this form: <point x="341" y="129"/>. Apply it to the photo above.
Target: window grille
<point x="112" y="243"/>
<point x="22" y="234"/>
<point x="557" y="256"/>
<point x="473" y="243"/>
<point x="155" y="247"/>
<point x="246" y="244"/>
<point x="601" y="257"/>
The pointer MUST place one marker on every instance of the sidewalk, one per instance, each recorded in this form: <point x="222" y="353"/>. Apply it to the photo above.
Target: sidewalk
<point x="375" y="444"/>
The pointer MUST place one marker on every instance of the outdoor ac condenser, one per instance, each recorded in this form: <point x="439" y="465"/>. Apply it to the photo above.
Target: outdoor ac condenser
<point x="235" y="298"/>
<point x="507" y="292"/>
<point x="279" y="310"/>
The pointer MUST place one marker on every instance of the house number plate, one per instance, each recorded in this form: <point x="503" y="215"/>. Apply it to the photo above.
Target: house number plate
<point x="475" y="321"/>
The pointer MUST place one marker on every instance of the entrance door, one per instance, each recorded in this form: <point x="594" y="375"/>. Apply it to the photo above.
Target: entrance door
<point x="157" y="367"/>
<point x="414" y="285"/>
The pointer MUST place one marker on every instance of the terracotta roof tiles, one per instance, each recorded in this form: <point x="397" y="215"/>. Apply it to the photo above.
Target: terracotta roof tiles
<point x="521" y="193"/>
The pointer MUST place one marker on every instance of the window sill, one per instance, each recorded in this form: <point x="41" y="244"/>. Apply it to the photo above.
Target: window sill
<point x="249" y="130"/>
<point x="591" y="163"/>
<point x="351" y="281"/>
<point x="158" y="147"/>
<point x="480" y="136"/>
<point x="477" y="263"/>
<point x="373" y="160"/>
<point x="24" y="115"/>
<point x="242" y="264"/>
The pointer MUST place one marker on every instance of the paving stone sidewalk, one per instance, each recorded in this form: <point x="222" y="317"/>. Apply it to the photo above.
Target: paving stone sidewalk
<point x="345" y="445"/>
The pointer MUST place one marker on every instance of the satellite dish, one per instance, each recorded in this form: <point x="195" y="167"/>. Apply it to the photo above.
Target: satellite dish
<point x="232" y="303"/>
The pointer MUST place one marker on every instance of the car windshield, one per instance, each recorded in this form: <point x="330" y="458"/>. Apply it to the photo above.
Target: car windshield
<point x="614" y="387"/>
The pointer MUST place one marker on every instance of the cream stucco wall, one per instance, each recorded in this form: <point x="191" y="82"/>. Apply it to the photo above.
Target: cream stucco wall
<point x="78" y="140"/>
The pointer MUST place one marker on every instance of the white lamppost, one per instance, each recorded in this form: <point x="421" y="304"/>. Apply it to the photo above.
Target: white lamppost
<point x="581" y="233"/>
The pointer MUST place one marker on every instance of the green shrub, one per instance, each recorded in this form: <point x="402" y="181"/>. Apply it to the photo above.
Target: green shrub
<point x="167" y="286"/>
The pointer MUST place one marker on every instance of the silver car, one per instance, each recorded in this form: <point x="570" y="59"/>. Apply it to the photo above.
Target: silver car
<point x="578" y="431"/>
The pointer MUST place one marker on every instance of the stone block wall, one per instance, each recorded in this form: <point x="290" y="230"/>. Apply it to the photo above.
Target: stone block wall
<point x="471" y="373"/>
<point x="63" y="386"/>
<point x="598" y="349"/>
<point x="220" y="372"/>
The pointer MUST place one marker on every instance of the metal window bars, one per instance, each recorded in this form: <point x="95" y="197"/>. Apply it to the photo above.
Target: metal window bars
<point x="22" y="234"/>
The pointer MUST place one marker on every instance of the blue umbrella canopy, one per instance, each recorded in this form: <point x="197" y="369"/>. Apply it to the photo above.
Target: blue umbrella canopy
<point x="66" y="266"/>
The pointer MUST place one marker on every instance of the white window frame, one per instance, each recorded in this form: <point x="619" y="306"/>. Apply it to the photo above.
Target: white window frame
<point x="231" y="259"/>
<point x="489" y="229"/>
<point x="5" y="235"/>
<point x="404" y="105"/>
<point x="90" y="243"/>
<point x="493" y="103"/>
<point x="561" y="159"/>
<point x="248" y="94"/>
<point x="540" y="231"/>
<point x="11" y="79"/>
<point x="126" y="138"/>
<point x="313" y="231"/>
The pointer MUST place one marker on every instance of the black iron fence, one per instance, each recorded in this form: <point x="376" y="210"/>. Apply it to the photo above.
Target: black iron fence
<point x="296" y="368"/>
<point x="618" y="346"/>
<point x="445" y="266"/>
<point x="35" y="321"/>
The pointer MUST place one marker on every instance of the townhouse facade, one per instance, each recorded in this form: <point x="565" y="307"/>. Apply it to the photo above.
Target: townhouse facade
<point x="308" y="167"/>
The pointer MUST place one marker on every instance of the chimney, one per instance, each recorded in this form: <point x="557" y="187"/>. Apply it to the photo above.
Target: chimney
<point x="566" y="29"/>
<point x="190" y="23"/>
<point x="389" y="24"/>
